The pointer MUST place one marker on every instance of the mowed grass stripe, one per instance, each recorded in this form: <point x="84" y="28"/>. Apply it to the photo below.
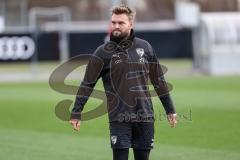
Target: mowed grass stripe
<point x="17" y="144"/>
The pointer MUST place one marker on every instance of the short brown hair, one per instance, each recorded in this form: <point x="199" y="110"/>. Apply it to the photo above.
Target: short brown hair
<point x="123" y="9"/>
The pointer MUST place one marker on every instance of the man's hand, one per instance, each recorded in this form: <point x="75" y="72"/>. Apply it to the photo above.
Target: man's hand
<point x="75" y="123"/>
<point x="172" y="119"/>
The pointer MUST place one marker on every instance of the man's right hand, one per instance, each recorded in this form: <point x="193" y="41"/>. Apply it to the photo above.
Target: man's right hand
<point x="75" y="123"/>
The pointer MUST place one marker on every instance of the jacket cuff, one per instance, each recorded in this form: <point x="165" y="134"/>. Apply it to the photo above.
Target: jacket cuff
<point x="168" y="104"/>
<point x="170" y="110"/>
<point x="75" y="115"/>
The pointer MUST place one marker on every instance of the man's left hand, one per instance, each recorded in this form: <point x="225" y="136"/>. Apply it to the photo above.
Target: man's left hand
<point x="172" y="119"/>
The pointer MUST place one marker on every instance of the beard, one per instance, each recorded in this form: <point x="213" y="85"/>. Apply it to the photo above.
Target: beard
<point x="117" y="34"/>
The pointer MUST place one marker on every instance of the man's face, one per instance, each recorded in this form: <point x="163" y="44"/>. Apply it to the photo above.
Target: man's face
<point x="121" y="25"/>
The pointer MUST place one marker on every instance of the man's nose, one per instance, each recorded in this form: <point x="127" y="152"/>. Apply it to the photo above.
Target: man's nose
<point x="116" y="25"/>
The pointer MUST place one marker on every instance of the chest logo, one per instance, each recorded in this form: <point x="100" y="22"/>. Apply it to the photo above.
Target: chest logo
<point x="140" y="52"/>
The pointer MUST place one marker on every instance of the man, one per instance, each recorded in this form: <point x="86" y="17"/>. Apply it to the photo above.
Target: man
<point x="125" y="64"/>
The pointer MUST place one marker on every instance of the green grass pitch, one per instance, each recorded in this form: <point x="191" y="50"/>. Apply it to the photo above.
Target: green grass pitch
<point x="209" y="127"/>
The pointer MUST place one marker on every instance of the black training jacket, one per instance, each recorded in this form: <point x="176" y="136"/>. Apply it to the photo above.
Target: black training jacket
<point x="126" y="68"/>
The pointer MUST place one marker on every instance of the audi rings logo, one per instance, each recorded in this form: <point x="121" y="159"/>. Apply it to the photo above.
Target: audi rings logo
<point x="14" y="48"/>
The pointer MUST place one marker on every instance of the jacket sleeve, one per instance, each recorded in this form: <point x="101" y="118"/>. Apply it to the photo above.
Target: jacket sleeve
<point x="92" y="74"/>
<point x="158" y="81"/>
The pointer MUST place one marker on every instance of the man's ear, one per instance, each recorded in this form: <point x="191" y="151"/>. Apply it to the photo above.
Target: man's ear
<point x="131" y="24"/>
